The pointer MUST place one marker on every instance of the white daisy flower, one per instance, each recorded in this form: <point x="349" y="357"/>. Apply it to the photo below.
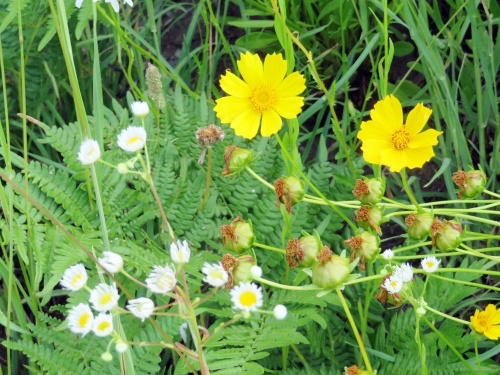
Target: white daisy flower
<point x="280" y="312"/>
<point x="103" y="324"/>
<point x="132" y="139"/>
<point x="104" y="297"/>
<point x="246" y="296"/>
<point x="74" y="278"/>
<point x="89" y="152"/>
<point x="140" y="109"/>
<point x="388" y="254"/>
<point x="180" y="252"/>
<point x="141" y="307"/>
<point x="161" y="279"/>
<point x="393" y="284"/>
<point x="80" y="319"/>
<point x="111" y="262"/>
<point x="404" y="272"/>
<point x="121" y="346"/>
<point x="430" y="264"/>
<point x="256" y="272"/>
<point x="215" y="274"/>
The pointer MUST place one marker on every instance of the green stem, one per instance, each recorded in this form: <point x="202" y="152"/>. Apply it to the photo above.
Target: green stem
<point x="208" y="178"/>
<point x="362" y="348"/>
<point x="446" y="316"/>
<point x="257" y="177"/>
<point x="491" y="193"/>
<point x="408" y="190"/>
<point x="262" y="246"/>
<point x="468" y="283"/>
<point x="287" y="287"/>
<point x="100" y="207"/>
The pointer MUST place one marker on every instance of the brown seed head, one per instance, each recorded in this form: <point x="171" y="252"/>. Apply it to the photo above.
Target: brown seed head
<point x="360" y="188"/>
<point x="410" y="219"/>
<point x="283" y="195"/>
<point x="325" y="255"/>
<point x="208" y="135"/>
<point x="227" y="158"/>
<point x="228" y="233"/>
<point x="353" y="370"/>
<point x="354" y="243"/>
<point x="460" y="178"/>
<point x="436" y="226"/>
<point x="294" y="252"/>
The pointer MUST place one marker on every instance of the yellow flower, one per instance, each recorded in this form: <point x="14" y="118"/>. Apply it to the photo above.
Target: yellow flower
<point x="262" y="97"/>
<point x="387" y="141"/>
<point x="487" y="322"/>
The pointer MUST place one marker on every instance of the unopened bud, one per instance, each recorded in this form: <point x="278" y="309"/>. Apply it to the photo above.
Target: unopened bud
<point x="242" y="271"/>
<point x="289" y="191"/>
<point x="471" y="183"/>
<point x="365" y="246"/>
<point x="237" y="236"/>
<point x="369" y="191"/>
<point x="303" y="251"/>
<point x="419" y="225"/>
<point x="331" y="270"/>
<point x="446" y="235"/>
<point x="122" y="168"/>
<point x="369" y="217"/>
<point x="235" y="160"/>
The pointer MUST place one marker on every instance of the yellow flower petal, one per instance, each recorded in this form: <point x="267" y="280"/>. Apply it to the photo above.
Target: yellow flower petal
<point x="289" y="107"/>
<point x="417" y="157"/>
<point x="394" y="159"/>
<point x="292" y="85"/>
<point x="274" y="69"/>
<point x="493" y="333"/>
<point x="373" y="130"/>
<point x="230" y="107"/>
<point x="425" y="139"/>
<point x="389" y="112"/>
<point x="271" y="123"/>
<point x="234" y="86"/>
<point x="251" y="69"/>
<point x="372" y="149"/>
<point x="247" y="124"/>
<point x="417" y="118"/>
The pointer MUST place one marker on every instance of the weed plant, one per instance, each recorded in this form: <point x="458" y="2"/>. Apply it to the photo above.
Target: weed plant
<point x="249" y="187"/>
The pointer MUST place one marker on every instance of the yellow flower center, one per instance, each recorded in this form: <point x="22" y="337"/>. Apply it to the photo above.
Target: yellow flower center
<point x="483" y="324"/>
<point x="103" y="326"/>
<point x="430" y="264"/>
<point x="105" y="298"/>
<point x="248" y="299"/>
<point x="400" y="138"/>
<point x="76" y="280"/>
<point x="394" y="283"/>
<point x="263" y="98"/>
<point x="84" y="318"/>
<point x="133" y="139"/>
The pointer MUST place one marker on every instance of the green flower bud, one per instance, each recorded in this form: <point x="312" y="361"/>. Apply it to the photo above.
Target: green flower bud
<point x="331" y="270"/>
<point x="122" y="168"/>
<point x="303" y="251"/>
<point x="369" y="217"/>
<point x="419" y="225"/>
<point x="235" y="160"/>
<point x="471" y="183"/>
<point x="365" y="246"/>
<point x="237" y="236"/>
<point x="289" y="191"/>
<point x="369" y="191"/>
<point x="242" y="271"/>
<point x="446" y="235"/>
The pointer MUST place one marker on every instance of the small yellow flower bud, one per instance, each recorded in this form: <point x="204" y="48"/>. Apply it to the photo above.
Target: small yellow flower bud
<point x="289" y="191"/>
<point x="237" y="236"/>
<point x="331" y="270"/>
<point x="471" y="183"/>
<point x="235" y="160"/>
<point x="446" y="235"/>
<point x="369" y="191"/>
<point x="419" y="225"/>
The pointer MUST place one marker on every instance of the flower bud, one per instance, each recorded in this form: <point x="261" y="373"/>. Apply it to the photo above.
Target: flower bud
<point x="242" y="270"/>
<point x="369" y="191"/>
<point x="289" y="191"/>
<point x="331" y="270"/>
<point x="303" y="251"/>
<point x="235" y="160"/>
<point x="364" y="246"/>
<point x="471" y="183"/>
<point x="446" y="235"/>
<point x="107" y="356"/>
<point x="122" y="168"/>
<point x="369" y="217"/>
<point x="237" y="236"/>
<point x="419" y="225"/>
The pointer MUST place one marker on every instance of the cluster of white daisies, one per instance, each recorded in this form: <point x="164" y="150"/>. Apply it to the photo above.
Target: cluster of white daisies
<point x="131" y="139"/>
<point x="404" y="273"/>
<point x="103" y="298"/>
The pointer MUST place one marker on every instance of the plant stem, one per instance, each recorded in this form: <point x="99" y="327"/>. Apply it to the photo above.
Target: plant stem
<point x="362" y="348"/>
<point x="262" y="246"/>
<point x="208" y="179"/>
<point x="100" y="207"/>
<point x="408" y="190"/>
